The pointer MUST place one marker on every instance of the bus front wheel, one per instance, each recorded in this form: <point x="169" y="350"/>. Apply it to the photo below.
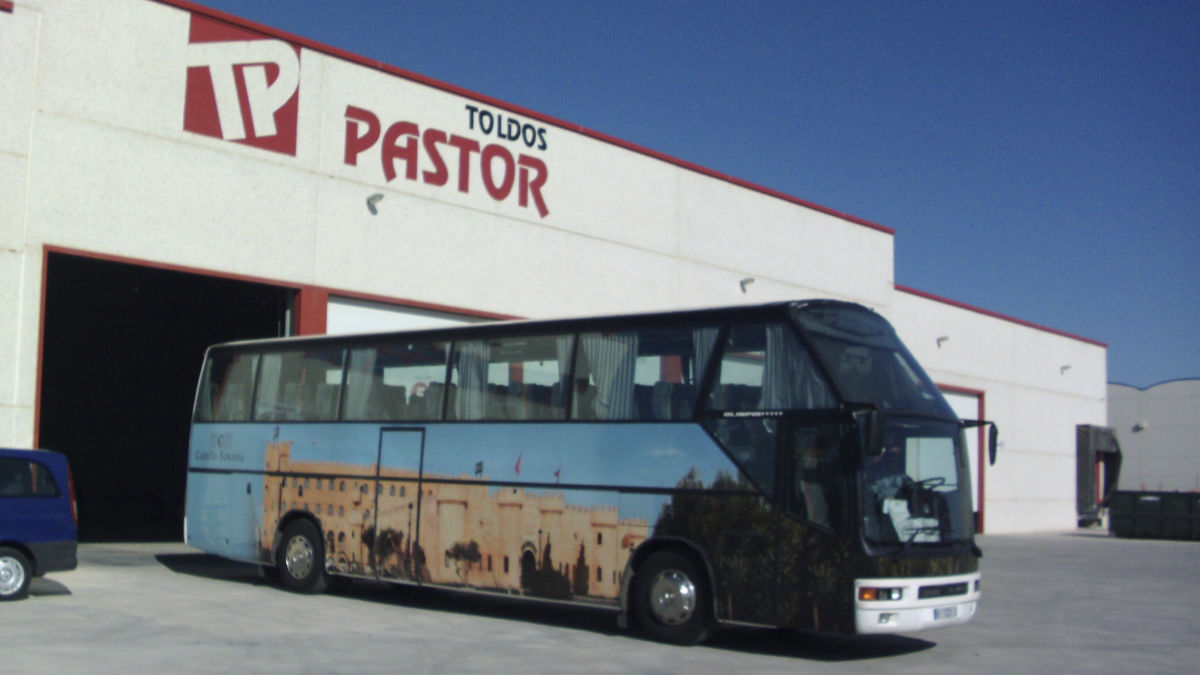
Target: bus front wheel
<point x="300" y="559"/>
<point x="670" y="600"/>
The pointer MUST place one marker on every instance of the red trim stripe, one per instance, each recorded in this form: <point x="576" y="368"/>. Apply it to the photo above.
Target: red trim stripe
<point x="525" y="112"/>
<point x="7" y="6"/>
<point x="996" y="315"/>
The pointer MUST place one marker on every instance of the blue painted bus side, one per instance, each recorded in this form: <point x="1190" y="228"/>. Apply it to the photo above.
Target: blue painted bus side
<point x="233" y="465"/>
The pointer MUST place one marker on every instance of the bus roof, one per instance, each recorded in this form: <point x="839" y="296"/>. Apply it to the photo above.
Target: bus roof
<point x="519" y="326"/>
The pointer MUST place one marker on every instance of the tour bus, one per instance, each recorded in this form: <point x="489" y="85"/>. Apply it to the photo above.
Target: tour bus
<point x="787" y="464"/>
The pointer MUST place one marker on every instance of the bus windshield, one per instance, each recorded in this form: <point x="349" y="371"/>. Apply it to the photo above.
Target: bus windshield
<point x="916" y="490"/>
<point x="866" y="360"/>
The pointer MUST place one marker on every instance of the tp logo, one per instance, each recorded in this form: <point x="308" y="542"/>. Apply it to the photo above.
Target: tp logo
<point x="241" y="86"/>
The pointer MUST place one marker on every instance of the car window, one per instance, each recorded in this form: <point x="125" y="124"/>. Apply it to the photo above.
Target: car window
<point x="25" y="478"/>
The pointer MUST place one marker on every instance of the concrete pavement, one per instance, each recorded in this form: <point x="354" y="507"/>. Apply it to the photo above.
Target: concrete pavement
<point x="1068" y="602"/>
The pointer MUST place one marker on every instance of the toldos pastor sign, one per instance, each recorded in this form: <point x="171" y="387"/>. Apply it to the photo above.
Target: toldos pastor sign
<point x="244" y="87"/>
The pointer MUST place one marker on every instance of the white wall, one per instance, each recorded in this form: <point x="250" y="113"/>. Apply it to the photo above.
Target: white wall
<point x="624" y="231"/>
<point x="1034" y="402"/>
<point x="1157" y="428"/>
<point x="350" y="315"/>
<point x="94" y="157"/>
<point x="19" y="287"/>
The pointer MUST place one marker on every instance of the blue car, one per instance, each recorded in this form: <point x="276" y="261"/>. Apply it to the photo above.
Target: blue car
<point x="38" y="518"/>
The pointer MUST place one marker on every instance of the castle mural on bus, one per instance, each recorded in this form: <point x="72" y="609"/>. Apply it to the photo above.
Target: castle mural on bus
<point x="465" y="532"/>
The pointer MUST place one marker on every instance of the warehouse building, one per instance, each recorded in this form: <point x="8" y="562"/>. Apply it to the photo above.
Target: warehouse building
<point x="1157" y="428"/>
<point x="174" y="177"/>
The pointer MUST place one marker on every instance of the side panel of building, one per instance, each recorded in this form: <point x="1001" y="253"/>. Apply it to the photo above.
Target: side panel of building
<point x="125" y="146"/>
<point x="1157" y="428"/>
<point x="19" y="31"/>
<point x="1037" y="387"/>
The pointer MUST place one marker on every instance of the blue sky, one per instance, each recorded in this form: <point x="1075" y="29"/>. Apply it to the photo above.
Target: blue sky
<point x="1036" y="159"/>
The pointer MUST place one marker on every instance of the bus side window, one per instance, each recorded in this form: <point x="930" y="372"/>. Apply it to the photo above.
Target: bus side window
<point x="225" y="388"/>
<point x="765" y="368"/>
<point x="651" y="374"/>
<point x="395" y="381"/>
<point x="299" y="386"/>
<point x="762" y="367"/>
<point x="510" y="378"/>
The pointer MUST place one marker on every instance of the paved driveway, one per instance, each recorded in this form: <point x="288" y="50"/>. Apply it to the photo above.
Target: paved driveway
<point x="1059" y="603"/>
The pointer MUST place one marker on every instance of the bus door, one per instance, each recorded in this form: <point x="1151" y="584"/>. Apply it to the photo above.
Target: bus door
<point x="814" y="552"/>
<point x="395" y="554"/>
<point x="741" y="513"/>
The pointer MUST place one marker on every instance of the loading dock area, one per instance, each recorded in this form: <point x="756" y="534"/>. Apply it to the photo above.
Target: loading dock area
<point x="121" y="351"/>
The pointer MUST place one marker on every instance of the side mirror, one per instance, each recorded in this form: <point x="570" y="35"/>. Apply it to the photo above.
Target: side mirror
<point x="993" y="435"/>
<point x="872" y="423"/>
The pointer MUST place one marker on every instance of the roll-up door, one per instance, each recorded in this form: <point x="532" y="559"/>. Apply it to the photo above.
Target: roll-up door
<point x="347" y="315"/>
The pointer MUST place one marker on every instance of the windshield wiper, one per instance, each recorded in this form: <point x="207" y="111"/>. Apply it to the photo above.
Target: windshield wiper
<point x="920" y="530"/>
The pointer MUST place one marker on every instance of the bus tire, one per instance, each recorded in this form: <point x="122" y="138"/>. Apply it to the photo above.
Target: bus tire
<point x="300" y="558"/>
<point x="671" y="600"/>
<point x="15" y="574"/>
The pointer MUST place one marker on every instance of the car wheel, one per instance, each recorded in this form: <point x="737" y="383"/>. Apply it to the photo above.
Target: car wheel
<point x="671" y="600"/>
<point x="15" y="574"/>
<point x="300" y="559"/>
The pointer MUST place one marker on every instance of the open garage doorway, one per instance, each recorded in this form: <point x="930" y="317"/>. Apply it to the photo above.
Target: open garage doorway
<point x="122" y="346"/>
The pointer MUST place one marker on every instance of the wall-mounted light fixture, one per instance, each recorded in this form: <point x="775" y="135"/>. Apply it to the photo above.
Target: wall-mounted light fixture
<point x="1064" y="369"/>
<point x="1140" y="426"/>
<point x="942" y="340"/>
<point x="372" y="201"/>
<point x="746" y="282"/>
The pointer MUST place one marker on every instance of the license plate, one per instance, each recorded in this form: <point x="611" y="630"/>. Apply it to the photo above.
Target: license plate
<point x="940" y="613"/>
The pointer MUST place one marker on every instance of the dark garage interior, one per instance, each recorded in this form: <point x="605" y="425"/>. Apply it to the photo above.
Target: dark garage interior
<point x="122" y="347"/>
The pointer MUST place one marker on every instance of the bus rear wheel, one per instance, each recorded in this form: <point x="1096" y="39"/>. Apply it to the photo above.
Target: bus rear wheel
<point x="15" y="574"/>
<point x="300" y="559"/>
<point x="670" y="599"/>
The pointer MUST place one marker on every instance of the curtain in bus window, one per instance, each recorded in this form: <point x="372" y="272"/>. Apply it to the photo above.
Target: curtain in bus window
<point x="265" y="405"/>
<point x="611" y="359"/>
<point x="703" y="342"/>
<point x="472" y="369"/>
<point x="562" y="346"/>
<point x="790" y="380"/>
<point x="233" y="403"/>
<point x="361" y="382"/>
<point x="226" y="387"/>
<point x="777" y="389"/>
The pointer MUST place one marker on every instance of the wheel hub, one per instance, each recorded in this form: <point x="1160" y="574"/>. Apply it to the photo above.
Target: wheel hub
<point x="298" y="557"/>
<point x="672" y="597"/>
<point x="11" y="576"/>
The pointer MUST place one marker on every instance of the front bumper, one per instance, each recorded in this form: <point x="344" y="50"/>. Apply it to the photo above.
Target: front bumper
<point x="924" y="602"/>
<point x="53" y="556"/>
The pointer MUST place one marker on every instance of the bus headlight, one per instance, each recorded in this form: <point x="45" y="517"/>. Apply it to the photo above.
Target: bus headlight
<point x="868" y="594"/>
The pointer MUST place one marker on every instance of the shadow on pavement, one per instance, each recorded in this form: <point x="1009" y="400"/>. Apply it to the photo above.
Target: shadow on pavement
<point x="39" y="586"/>
<point x="211" y="567"/>
<point x="602" y="620"/>
<point x="817" y="646"/>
